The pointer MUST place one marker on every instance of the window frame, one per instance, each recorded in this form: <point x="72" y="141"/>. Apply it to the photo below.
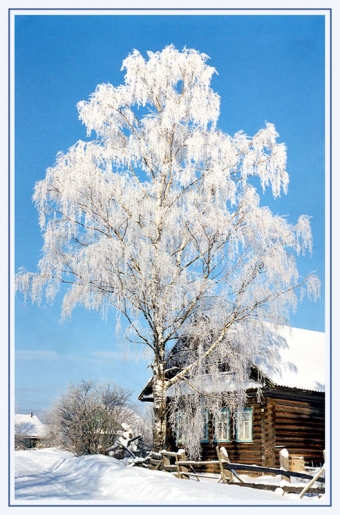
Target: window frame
<point x="206" y="417"/>
<point x="179" y="428"/>
<point x="244" y="440"/>
<point x="218" y="413"/>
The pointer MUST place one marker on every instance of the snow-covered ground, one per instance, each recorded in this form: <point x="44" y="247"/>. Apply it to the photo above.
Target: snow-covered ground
<point x="56" y="477"/>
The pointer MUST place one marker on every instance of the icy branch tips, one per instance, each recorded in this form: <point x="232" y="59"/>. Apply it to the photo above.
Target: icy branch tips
<point x="155" y="217"/>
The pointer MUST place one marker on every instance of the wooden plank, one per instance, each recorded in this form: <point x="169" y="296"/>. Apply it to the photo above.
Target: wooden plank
<point x="250" y="468"/>
<point x="302" y="435"/>
<point x="223" y="457"/>
<point x="198" y="463"/>
<point x="286" y="422"/>
<point x="299" y="401"/>
<point x="194" y="474"/>
<point x="296" y="438"/>
<point x="290" y="418"/>
<point x="285" y="488"/>
<point x="155" y="464"/>
<point x="169" y="453"/>
<point x="269" y="470"/>
<point x="170" y="468"/>
<point x="284" y="463"/>
<point x="315" y="478"/>
<point x="294" y="411"/>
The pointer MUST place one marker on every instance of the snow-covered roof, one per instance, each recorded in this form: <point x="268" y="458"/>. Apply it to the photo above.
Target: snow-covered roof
<point x="300" y="361"/>
<point x="29" y="425"/>
<point x="224" y="382"/>
<point x="291" y="357"/>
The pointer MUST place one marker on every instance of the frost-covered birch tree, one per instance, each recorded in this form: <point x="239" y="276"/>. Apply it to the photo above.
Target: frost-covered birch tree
<point x="155" y="217"/>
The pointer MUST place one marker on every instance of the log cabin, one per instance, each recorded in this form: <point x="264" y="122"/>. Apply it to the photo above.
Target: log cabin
<point x="289" y="414"/>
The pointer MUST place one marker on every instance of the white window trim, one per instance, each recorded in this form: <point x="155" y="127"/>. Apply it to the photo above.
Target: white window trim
<point x="245" y="440"/>
<point x="224" y="440"/>
<point x="205" y="438"/>
<point x="179" y="431"/>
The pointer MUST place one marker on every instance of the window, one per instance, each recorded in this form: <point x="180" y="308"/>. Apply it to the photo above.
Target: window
<point x="180" y="424"/>
<point x="180" y="427"/>
<point x="205" y="437"/>
<point x="244" y="425"/>
<point x="222" y="426"/>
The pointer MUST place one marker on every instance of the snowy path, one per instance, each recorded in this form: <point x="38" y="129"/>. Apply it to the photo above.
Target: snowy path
<point x="51" y="476"/>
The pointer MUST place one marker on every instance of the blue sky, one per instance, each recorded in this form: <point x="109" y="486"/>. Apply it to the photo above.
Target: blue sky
<point x="270" y="68"/>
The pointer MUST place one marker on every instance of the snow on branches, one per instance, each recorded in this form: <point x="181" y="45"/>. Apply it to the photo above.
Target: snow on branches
<point x="156" y="217"/>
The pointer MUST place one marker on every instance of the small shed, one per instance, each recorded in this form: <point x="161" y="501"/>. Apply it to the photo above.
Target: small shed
<point x="290" y="413"/>
<point x="30" y="432"/>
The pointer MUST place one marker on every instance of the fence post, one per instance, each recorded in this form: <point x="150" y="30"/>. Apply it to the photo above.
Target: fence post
<point x="284" y="463"/>
<point x="180" y="469"/>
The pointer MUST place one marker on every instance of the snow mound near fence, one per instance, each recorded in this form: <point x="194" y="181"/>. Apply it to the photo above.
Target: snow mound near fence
<point x="55" y="477"/>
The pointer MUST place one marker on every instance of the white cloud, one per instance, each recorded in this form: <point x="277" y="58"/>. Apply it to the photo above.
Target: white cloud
<point x="50" y="355"/>
<point x="36" y="355"/>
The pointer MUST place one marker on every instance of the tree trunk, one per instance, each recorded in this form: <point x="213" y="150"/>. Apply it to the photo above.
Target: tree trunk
<point x="159" y="391"/>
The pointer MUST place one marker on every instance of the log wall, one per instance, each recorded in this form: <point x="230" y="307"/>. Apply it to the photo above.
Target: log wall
<point x="300" y="426"/>
<point x="284" y="419"/>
